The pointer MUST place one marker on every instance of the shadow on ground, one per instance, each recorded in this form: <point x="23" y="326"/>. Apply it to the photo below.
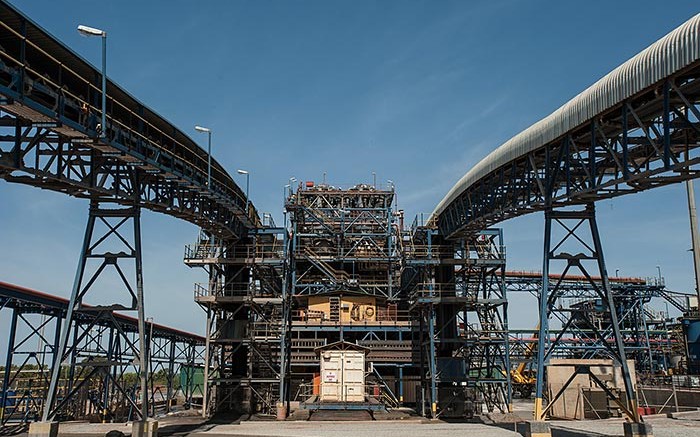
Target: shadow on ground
<point x="557" y="431"/>
<point x="14" y="429"/>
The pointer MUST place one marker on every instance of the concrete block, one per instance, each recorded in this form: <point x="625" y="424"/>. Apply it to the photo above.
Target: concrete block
<point x="537" y="428"/>
<point x="43" y="429"/>
<point x="144" y="428"/>
<point x="638" y="430"/>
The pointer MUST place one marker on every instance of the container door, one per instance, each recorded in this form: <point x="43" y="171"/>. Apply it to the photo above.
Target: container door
<point x="331" y="378"/>
<point x="354" y="377"/>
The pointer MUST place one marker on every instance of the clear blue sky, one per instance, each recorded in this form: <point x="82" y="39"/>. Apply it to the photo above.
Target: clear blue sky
<point x="417" y="91"/>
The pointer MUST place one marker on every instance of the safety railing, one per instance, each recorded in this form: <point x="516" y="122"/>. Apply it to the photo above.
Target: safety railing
<point x="364" y="249"/>
<point x="425" y="251"/>
<point x="266" y="330"/>
<point x="247" y="252"/>
<point x="205" y="289"/>
<point x="203" y="251"/>
<point x="434" y="290"/>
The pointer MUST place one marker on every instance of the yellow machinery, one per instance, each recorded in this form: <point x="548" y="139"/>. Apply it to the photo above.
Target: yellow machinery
<point x="524" y="380"/>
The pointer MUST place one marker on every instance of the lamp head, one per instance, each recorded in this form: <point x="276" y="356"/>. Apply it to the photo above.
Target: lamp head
<point x="91" y="31"/>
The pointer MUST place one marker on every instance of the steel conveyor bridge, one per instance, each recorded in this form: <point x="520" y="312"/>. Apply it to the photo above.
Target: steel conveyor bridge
<point x="634" y="129"/>
<point x="52" y="136"/>
<point x="49" y="137"/>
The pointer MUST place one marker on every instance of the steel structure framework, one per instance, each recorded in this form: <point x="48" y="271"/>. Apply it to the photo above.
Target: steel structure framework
<point x="344" y="267"/>
<point x="623" y="135"/>
<point x="578" y="299"/>
<point x="243" y="300"/>
<point x="108" y="245"/>
<point x="458" y="297"/>
<point x="50" y="103"/>
<point x="579" y="307"/>
<point x="579" y="248"/>
<point x="101" y="390"/>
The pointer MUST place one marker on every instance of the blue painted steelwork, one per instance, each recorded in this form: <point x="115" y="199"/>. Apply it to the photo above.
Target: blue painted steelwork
<point x="648" y="140"/>
<point x="635" y="129"/>
<point x="458" y="296"/>
<point x="40" y="316"/>
<point x="343" y="246"/>
<point x="578" y="233"/>
<point x="50" y="138"/>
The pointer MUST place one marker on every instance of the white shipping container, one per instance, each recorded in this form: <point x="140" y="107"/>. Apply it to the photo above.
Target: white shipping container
<point x="342" y="376"/>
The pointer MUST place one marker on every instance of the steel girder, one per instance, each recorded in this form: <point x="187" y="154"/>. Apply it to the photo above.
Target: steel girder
<point x="578" y="298"/>
<point x="647" y="141"/>
<point x="107" y="246"/>
<point x="40" y="157"/>
<point x="170" y="359"/>
<point x="334" y="227"/>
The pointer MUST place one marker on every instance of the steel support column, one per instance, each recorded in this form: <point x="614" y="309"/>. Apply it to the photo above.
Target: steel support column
<point x="578" y="245"/>
<point x="8" y="365"/>
<point x="109" y="247"/>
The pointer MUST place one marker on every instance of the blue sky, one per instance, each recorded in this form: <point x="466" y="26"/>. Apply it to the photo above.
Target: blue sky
<point x="416" y="91"/>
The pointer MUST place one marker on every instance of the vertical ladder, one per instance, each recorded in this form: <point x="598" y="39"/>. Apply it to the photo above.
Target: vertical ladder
<point x="335" y="308"/>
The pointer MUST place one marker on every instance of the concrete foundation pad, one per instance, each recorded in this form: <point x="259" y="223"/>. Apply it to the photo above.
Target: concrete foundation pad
<point x="144" y="428"/>
<point x="537" y="428"/>
<point x="43" y="429"/>
<point x="682" y="414"/>
<point x="638" y="430"/>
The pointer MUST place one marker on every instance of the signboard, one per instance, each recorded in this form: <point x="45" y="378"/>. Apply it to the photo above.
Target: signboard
<point x="330" y="377"/>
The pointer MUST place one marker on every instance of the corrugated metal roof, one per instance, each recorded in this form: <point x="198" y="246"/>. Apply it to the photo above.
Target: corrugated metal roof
<point x="670" y="54"/>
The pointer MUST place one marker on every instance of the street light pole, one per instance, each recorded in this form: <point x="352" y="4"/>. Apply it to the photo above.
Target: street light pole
<point x="209" y="160"/>
<point x="247" y="188"/>
<point x="104" y="85"/>
<point x="91" y="31"/>
<point x="207" y="131"/>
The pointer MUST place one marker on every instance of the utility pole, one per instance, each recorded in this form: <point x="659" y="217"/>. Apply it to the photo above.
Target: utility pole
<point x="692" y="210"/>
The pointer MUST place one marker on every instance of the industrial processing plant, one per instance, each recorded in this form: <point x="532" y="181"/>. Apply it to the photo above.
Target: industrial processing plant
<point x="347" y="311"/>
